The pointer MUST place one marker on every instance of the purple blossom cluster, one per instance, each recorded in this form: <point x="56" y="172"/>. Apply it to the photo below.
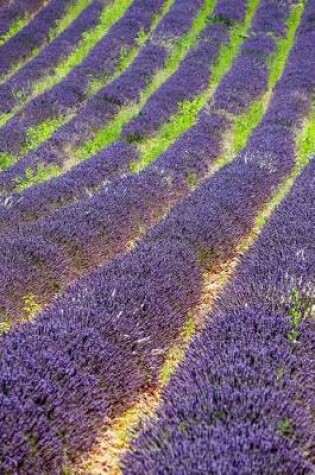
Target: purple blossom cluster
<point x="14" y="10"/>
<point x="241" y="401"/>
<point x="178" y="23"/>
<point x="213" y="219"/>
<point x="48" y="58"/>
<point x="34" y="35"/>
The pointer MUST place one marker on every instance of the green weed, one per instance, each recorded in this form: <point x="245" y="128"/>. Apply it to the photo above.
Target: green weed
<point x="286" y="428"/>
<point x="38" y="134"/>
<point x="17" y="26"/>
<point x="33" y="177"/>
<point x="6" y="161"/>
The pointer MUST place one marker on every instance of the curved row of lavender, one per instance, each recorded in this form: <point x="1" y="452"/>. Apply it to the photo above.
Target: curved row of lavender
<point x="115" y="160"/>
<point x="102" y="60"/>
<point x="193" y="75"/>
<point x="243" y="401"/>
<point x="102" y="108"/>
<point x="93" y="231"/>
<point x="268" y="25"/>
<point x="50" y="55"/>
<point x="32" y="36"/>
<point x="16" y="10"/>
<point x="190" y="79"/>
<point x="88" y="355"/>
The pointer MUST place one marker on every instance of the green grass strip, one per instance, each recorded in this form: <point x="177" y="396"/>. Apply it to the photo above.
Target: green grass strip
<point x="17" y="26"/>
<point x="40" y="133"/>
<point x="109" y="16"/>
<point x="242" y="127"/>
<point x="180" y="49"/>
<point x="151" y="148"/>
<point x="110" y="133"/>
<point x="71" y="14"/>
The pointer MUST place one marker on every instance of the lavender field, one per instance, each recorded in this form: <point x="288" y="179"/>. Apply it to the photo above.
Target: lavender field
<point x="157" y="237"/>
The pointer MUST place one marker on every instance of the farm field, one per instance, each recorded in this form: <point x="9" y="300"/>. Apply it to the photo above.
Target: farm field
<point x="157" y="237"/>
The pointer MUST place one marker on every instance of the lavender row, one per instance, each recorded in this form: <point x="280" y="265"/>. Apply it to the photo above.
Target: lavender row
<point x="85" y="359"/>
<point x="193" y="75"/>
<point x="115" y="323"/>
<point x="104" y="106"/>
<point x="95" y="230"/>
<point x="70" y="93"/>
<point x="50" y="55"/>
<point x="101" y="107"/>
<point x="178" y="23"/>
<point x="15" y="11"/>
<point x="241" y="401"/>
<point x="34" y="35"/>
<point x="200" y="151"/>
<point x="164" y="103"/>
